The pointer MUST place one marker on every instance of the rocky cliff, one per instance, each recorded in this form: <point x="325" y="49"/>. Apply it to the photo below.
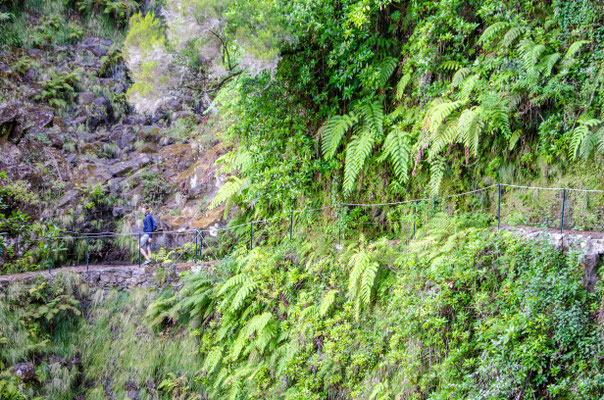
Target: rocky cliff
<point x="70" y="141"/>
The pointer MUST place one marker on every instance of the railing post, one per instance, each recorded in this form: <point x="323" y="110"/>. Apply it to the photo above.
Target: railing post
<point x="291" y="226"/>
<point x="200" y="244"/>
<point x="139" y="249"/>
<point x="87" y="252"/>
<point x="49" y="254"/>
<point x="414" y="217"/>
<point x="563" y="207"/>
<point x="196" y="233"/>
<point x="251" y="235"/>
<point x="499" y="206"/>
<point x="339" y="223"/>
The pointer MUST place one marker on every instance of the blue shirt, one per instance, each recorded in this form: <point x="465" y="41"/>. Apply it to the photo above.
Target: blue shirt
<point x="148" y="225"/>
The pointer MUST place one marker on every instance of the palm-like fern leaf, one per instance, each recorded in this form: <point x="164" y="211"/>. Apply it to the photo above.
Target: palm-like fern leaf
<point x="327" y="302"/>
<point x="511" y="35"/>
<point x="492" y="31"/>
<point x="402" y="85"/>
<point x="397" y="148"/>
<point x="437" y="171"/>
<point x="387" y="67"/>
<point x="332" y="132"/>
<point x="230" y="189"/>
<point x="574" y="48"/>
<point x="441" y="112"/>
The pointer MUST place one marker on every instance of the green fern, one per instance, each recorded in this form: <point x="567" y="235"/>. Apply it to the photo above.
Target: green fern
<point x="450" y="65"/>
<point x="440" y="112"/>
<point x="357" y="152"/>
<point x="362" y="278"/>
<point x="492" y="31"/>
<point x="583" y="141"/>
<point x="332" y="132"/>
<point x="327" y="302"/>
<point x="469" y="128"/>
<point x="437" y="171"/>
<point x="460" y="76"/>
<point x="229" y="190"/>
<point x="387" y="67"/>
<point x="397" y="147"/>
<point x="574" y="49"/>
<point x="511" y="35"/>
<point x="402" y="85"/>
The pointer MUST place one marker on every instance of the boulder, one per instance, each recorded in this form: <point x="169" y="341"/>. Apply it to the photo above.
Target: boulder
<point x="97" y="46"/>
<point x="133" y="164"/>
<point x="24" y="371"/>
<point x="85" y="98"/>
<point x="16" y="119"/>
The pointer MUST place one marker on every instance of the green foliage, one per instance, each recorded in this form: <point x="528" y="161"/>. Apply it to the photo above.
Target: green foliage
<point x="156" y="189"/>
<point x="497" y="314"/>
<point x="59" y="89"/>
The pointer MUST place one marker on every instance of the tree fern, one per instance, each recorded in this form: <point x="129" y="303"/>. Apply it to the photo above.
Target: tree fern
<point x="332" y="132"/>
<point x="397" y="147"/>
<point x="230" y="189"/>
<point x="328" y="300"/>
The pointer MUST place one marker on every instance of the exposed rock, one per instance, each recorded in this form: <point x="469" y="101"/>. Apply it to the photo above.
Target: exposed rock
<point x="16" y="119"/>
<point x="85" y="98"/>
<point x="25" y="371"/>
<point x="98" y="47"/>
<point x="136" y="163"/>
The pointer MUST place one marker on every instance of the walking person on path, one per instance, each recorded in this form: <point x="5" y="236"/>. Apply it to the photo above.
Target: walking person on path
<point x="149" y="226"/>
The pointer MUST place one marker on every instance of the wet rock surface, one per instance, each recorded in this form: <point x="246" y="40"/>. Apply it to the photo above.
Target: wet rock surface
<point x="95" y="140"/>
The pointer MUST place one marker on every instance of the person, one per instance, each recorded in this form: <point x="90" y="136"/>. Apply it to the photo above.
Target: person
<point x="149" y="226"/>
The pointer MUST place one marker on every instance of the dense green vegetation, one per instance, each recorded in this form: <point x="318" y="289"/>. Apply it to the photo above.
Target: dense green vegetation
<point x="461" y="312"/>
<point x="387" y="99"/>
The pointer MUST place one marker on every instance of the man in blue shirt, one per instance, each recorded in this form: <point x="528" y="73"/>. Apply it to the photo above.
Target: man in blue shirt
<point x="149" y="226"/>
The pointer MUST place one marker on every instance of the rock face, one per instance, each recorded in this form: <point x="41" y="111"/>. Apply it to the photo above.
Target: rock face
<point x="95" y="142"/>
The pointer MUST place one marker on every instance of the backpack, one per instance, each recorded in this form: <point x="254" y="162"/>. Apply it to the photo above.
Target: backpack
<point x="155" y="224"/>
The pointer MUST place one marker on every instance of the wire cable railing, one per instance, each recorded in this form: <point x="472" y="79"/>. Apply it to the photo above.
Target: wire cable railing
<point x="548" y="212"/>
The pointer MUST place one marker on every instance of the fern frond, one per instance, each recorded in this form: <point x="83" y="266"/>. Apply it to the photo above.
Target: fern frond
<point x="387" y="67"/>
<point x="459" y="76"/>
<point x="451" y="65"/>
<point x="235" y="280"/>
<point x="443" y="138"/>
<point x="230" y="189"/>
<point x="469" y="128"/>
<point x="574" y="48"/>
<point x="373" y="114"/>
<point x="244" y="291"/>
<point x="327" y="302"/>
<point x="402" y="85"/>
<point x="212" y="360"/>
<point x="367" y="282"/>
<point x="492" y="31"/>
<point x="357" y="152"/>
<point x="441" y="112"/>
<point x="437" y="171"/>
<point x="548" y="63"/>
<point x="467" y="86"/>
<point x="397" y="148"/>
<point x="580" y="134"/>
<point x="332" y="132"/>
<point x="511" y="35"/>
